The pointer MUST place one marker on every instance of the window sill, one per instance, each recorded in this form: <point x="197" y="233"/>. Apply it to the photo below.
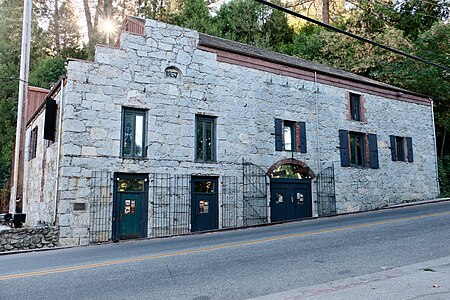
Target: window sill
<point x="134" y="158"/>
<point x="205" y="162"/>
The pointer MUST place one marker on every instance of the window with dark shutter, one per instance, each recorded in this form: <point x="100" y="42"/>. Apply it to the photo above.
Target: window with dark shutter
<point x="401" y="148"/>
<point x="289" y="136"/>
<point x="373" y="151"/>
<point x="343" y="147"/>
<point x="357" y="149"/>
<point x="50" y="119"/>
<point x="303" y="148"/>
<point x="278" y="135"/>
<point x="409" y="146"/>
<point x="393" y="148"/>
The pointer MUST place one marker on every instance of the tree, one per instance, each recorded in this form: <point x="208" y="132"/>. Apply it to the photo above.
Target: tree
<point x="417" y="16"/>
<point x="194" y="14"/>
<point x="63" y="28"/>
<point x="160" y="10"/>
<point x="249" y="22"/>
<point x="47" y="71"/>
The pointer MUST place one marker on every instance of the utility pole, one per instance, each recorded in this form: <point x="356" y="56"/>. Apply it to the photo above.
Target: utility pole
<point x="19" y="155"/>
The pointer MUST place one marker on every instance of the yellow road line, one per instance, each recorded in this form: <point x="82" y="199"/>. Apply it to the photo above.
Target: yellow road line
<point x="230" y="245"/>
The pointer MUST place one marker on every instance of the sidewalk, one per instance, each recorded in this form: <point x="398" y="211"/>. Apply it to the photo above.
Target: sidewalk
<point x="427" y="280"/>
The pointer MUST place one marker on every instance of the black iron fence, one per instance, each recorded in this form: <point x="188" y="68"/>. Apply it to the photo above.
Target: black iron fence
<point x="243" y="202"/>
<point x="100" y="207"/>
<point x="230" y="204"/>
<point x="254" y="194"/>
<point x="170" y="204"/>
<point x="326" y="195"/>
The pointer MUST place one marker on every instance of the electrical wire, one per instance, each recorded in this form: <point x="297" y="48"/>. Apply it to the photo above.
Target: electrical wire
<point x="295" y="14"/>
<point x="404" y="10"/>
<point x="12" y="79"/>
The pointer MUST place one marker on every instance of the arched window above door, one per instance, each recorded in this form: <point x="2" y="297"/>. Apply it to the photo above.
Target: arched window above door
<point x="290" y="168"/>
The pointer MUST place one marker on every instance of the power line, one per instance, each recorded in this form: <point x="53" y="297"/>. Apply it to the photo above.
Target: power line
<point x="12" y="79"/>
<point x="404" y="10"/>
<point x="295" y="14"/>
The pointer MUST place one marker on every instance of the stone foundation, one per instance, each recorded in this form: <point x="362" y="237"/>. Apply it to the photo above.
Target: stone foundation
<point x="28" y="238"/>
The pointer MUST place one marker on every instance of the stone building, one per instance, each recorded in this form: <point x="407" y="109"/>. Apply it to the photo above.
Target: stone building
<point x="174" y="131"/>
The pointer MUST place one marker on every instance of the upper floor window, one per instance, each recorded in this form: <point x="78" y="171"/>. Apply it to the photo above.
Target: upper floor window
<point x="353" y="148"/>
<point x="133" y="132"/>
<point x="401" y="148"/>
<point x="355" y="107"/>
<point x="357" y="149"/>
<point x="290" y="136"/>
<point x="205" y="138"/>
<point x="33" y="143"/>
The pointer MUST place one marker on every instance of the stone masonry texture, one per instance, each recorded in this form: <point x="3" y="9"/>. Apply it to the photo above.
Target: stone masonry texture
<point x="245" y="102"/>
<point x="28" y="238"/>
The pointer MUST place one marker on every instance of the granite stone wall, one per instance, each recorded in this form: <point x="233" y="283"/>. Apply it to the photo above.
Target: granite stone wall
<point x="40" y="177"/>
<point x="28" y="238"/>
<point x="245" y="102"/>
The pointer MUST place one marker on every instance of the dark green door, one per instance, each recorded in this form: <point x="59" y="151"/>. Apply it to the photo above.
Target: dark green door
<point x="130" y="215"/>
<point x="130" y="211"/>
<point x="205" y="206"/>
<point x="290" y="199"/>
<point x="278" y="203"/>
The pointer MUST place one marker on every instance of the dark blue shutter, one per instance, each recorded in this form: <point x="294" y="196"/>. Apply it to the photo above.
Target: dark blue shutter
<point x="278" y="135"/>
<point x="410" y="149"/>
<point x="303" y="148"/>
<point x="343" y="146"/>
<point x="373" y="150"/>
<point x="393" y="148"/>
<point x="50" y="119"/>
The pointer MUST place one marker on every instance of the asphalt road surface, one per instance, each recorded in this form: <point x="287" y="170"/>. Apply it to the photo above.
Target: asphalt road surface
<point x="237" y="264"/>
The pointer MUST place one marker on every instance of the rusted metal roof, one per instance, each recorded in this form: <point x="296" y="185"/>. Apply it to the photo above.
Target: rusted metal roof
<point x="36" y="97"/>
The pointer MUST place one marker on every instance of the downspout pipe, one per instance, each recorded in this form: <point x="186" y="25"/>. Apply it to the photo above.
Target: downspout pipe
<point x="435" y="146"/>
<point x="316" y="92"/>
<point x="319" y="167"/>
<point x="58" y="156"/>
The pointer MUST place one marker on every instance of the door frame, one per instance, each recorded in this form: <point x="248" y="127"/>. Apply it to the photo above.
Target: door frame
<point x="116" y="204"/>
<point x="194" y="179"/>
<point x="302" y="183"/>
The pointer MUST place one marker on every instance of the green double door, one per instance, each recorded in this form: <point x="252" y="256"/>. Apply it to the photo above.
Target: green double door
<point x="290" y="199"/>
<point x="130" y="217"/>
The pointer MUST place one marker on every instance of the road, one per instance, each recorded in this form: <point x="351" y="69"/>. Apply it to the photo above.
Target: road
<point x="237" y="264"/>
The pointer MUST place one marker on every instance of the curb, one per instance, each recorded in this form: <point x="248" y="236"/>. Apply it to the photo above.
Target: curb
<point x="35" y="250"/>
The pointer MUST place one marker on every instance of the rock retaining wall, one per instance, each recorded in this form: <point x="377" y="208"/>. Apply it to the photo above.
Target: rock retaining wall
<point x="28" y="238"/>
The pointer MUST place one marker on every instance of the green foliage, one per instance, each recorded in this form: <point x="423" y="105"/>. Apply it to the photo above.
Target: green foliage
<point x="161" y="10"/>
<point x="417" y="16"/>
<point x="63" y="29"/>
<point x="444" y="175"/>
<point x="249" y="22"/>
<point x="194" y="14"/>
<point x="10" y="40"/>
<point x="306" y="43"/>
<point x="47" y="72"/>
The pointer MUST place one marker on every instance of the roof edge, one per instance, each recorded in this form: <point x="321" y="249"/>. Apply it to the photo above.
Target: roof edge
<point x="279" y="58"/>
